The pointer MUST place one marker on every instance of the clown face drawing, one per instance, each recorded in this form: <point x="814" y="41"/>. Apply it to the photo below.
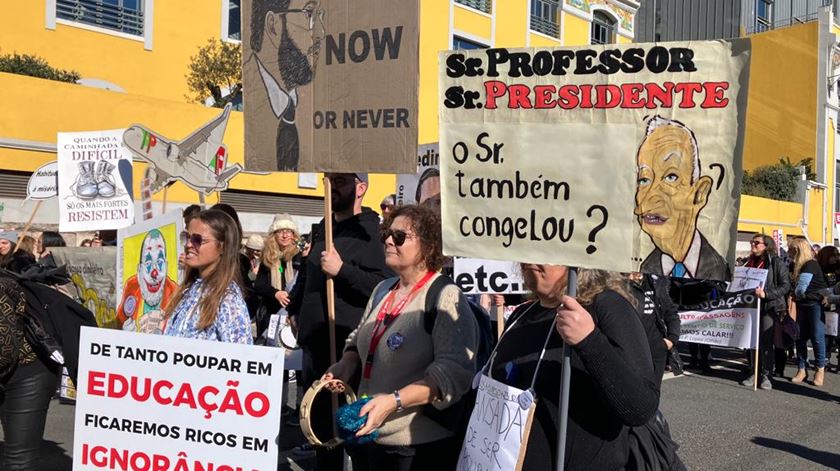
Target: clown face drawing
<point x="152" y="268"/>
<point x="146" y="294"/>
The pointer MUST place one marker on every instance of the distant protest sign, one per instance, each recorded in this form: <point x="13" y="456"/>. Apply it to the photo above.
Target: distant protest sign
<point x="159" y="402"/>
<point x="94" y="279"/>
<point x="330" y="85"/>
<point x="43" y="184"/>
<point x="619" y="157"/>
<point x="497" y="434"/>
<point x="475" y="276"/>
<point x="746" y="278"/>
<point x="92" y="194"/>
<point x="424" y="185"/>
<point x="728" y="321"/>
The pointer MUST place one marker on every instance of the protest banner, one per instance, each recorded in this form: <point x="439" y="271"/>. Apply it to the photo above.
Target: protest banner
<point x="747" y="278"/>
<point x="43" y="184"/>
<point x="93" y="193"/>
<point x="330" y="85"/>
<point x="423" y="185"/>
<point x="831" y="319"/>
<point x="165" y="403"/>
<point x="728" y="321"/>
<point x="497" y="433"/>
<point x="565" y="155"/>
<point x="779" y="239"/>
<point x="91" y="269"/>
<point x="147" y="270"/>
<point x="475" y="276"/>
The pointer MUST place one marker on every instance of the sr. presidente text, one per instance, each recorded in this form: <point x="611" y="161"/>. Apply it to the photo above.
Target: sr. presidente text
<point x="562" y="62"/>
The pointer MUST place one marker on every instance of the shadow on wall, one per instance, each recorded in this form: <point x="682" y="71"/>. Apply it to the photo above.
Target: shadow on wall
<point x="824" y="458"/>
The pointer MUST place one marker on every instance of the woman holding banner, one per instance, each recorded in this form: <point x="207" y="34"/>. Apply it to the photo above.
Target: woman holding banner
<point x="407" y="358"/>
<point x="613" y="385"/>
<point x="209" y="304"/>
<point x="808" y="293"/>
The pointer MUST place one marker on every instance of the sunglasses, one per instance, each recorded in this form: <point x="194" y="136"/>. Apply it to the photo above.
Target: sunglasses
<point x="383" y="207"/>
<point x="196" y="240"/>
<point x="756" y="243"/>
<point x="398" y="236"/>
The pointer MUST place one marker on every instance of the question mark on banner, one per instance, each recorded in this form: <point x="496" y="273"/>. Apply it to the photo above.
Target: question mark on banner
<point x="590" y="249"/>
<point x="721" y="173"/>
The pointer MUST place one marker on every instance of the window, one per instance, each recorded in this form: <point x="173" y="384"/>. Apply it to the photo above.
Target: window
<point x="461" y="43"/>
<point x="544" y="17"/>
<point x="603" y="28"/>
<point x="480" y="5"/>
<point x="125" y="16"/>
<point x="763" y="15"/>
<point x="234" y="20"/>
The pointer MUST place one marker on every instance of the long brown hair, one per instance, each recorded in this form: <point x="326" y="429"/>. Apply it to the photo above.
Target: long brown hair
<point x="217" y="283"/>
<point x="273" y="255"/>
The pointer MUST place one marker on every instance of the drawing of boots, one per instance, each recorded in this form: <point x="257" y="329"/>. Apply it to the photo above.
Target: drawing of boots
<point x="105" y="180"/>
<point x="85" y="185"/>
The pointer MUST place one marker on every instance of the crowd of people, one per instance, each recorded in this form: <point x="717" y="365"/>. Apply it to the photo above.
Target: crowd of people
<point x="411" y="343"/>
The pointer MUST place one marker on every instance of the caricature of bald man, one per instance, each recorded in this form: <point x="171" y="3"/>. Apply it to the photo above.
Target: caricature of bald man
<point x="670" y="194"/>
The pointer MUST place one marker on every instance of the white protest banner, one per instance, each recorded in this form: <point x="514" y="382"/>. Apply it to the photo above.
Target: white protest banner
<point x="163" y="403"/>
<point x="43" y="184"/>
<point x="728" y="321"/>
<point x="91" y="269"/>
<point x="564" y="155"/>
<point x="92" y="192"/>
<point x="475" y="276"/>
<point x="415" y="188"/>
<point x="497" y="434"/>
<point x="831" y="319"/>
<point x="746" y="278"/>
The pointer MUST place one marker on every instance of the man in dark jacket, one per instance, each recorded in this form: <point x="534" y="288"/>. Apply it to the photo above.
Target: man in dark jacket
<point x="773" y="297"/>
<point x="659" y="317"/>
<point x="357" y="264"/>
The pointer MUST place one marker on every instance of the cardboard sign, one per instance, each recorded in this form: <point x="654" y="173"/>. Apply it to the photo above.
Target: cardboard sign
<point x="475" y="276"/>
<point x="330" y="85"/>
<point x="497" y="434"/>
<point x="200" y="160"/>
<point x="424" y="185"/>
<point x="618" y="157"/>
<point x="831" y="323"/>
<point x="43" y="184"/>
<point x="155" y="401"/>
<point x="93" y="193"/>
<point x="147" y="270"/>
<point x="746" y="278"/>
<point x="95" y="281"/>
<point x="725" y="322"/>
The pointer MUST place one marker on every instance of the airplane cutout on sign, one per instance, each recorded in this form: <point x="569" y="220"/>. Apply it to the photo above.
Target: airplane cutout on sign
<point x="199" y="160"/>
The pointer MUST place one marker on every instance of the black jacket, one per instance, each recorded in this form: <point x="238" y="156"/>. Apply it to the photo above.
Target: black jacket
<point x="777" y="286"/>
<point x="711" y="267"/>
<point x="659" y="317"/>
<point x="356" y="240"/>
<point x="263" y="288"/>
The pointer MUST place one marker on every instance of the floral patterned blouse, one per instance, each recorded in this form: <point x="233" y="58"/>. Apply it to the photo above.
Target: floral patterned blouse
<point x="232" y="325"/>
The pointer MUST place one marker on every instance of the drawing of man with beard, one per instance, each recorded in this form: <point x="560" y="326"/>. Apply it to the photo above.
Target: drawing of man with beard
<point x="147" y="292"/>
<point x="294" y="28"/>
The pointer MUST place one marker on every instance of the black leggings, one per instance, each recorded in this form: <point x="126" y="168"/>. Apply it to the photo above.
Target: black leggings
<point x="24" y="414"/>
<point x="442" y="454"/>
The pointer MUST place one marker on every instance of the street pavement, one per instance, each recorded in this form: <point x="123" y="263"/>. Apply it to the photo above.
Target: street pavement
<point x="719" y="424"/>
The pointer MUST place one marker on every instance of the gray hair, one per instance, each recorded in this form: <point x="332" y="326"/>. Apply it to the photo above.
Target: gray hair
<point x="657" y="122"/>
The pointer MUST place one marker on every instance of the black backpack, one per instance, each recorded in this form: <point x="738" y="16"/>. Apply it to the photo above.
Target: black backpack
<point x="455" y="417"/>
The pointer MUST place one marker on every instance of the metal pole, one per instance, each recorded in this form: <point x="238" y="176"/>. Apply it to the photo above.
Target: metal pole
<point x="565" y="380"/>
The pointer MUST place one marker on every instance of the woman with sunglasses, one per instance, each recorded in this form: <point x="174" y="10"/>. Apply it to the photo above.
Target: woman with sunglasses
<point x="405" y="364"/>
<point x="209" y="304"/>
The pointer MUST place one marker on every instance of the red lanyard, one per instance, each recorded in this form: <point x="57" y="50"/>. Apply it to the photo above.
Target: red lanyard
<point x="752" y="265"/>
<point x="386" y="316"/>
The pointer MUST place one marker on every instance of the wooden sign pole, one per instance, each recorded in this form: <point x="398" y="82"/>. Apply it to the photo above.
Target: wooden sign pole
<point x="28" y="224"/>
<point x="328" y="246"/>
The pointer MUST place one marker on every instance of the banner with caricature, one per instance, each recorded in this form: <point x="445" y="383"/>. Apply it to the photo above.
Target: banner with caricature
<point x="619" y="157"/>
<point x="94" y="181"/>
<point x="147" y="270"/>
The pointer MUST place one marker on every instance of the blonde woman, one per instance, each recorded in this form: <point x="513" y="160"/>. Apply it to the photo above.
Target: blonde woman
<point x="280" y="264"/>
<point x="209" y="304"/>
<point x="808" y="287"/>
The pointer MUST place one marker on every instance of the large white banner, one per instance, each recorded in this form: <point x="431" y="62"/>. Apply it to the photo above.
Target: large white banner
<point x="94" y="181"/>
<point x="728" y="321"/>
<point x="475" y="276"/>
<point x="155" y="402"/>
<point x="618" y="157"/>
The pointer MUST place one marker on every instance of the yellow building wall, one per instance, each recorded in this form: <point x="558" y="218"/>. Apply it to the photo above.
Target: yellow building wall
<point x="469" y="20"/>
<point x="816" y="220"/>
<point x="786" y="215"/>
<point x="782" y="100"/>
<point x="575" y="30"/>
<point x="512" y="20"/>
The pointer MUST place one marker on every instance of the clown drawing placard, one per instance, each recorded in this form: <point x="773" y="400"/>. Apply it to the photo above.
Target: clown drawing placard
<point x="94" y="181"/>
<point x="620" y="157"/>
<point x="147" y="268"/>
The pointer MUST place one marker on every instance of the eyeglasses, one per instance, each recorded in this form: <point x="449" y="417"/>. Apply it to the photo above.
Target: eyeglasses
<point x="384" y="207"/>
<point x="756" y="243"/>
<point x="310" y="12"/>
<point x="196" y="240"/>
<point x="397" y="235"/>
